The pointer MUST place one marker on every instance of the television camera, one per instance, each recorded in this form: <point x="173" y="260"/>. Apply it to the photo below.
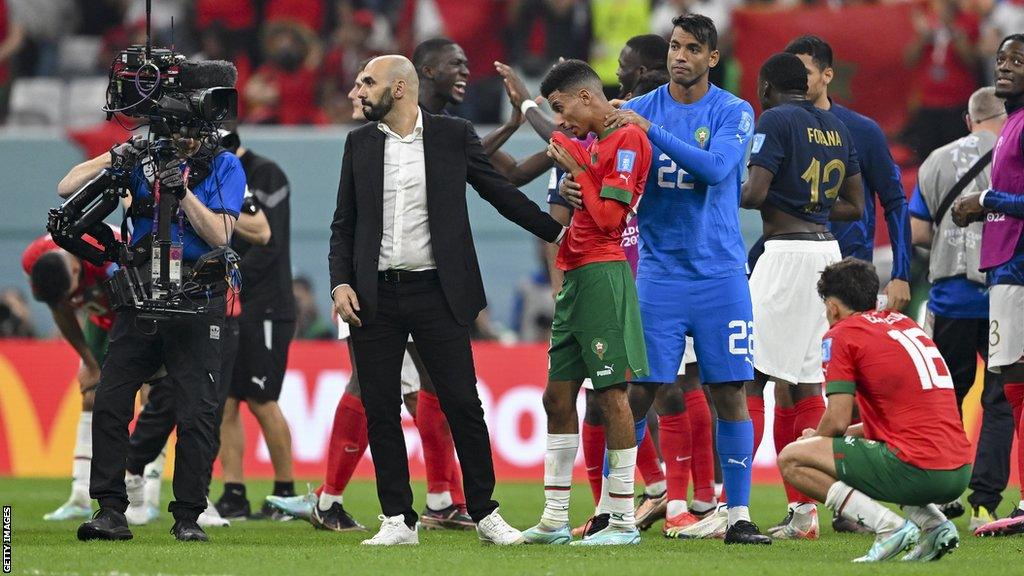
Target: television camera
<point x="175" y="98"/>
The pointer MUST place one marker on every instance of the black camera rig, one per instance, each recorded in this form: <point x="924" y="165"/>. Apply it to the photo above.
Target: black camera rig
<point x="176" y="97"/>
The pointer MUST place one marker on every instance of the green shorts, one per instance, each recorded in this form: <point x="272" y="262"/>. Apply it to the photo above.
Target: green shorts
<point x="97" y="339"/>
<point x="596" y="332"/>
<point x="872" y="468"/>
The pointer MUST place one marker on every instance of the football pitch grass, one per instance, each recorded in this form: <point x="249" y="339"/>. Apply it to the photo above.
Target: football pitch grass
<point x="296" y="549"/>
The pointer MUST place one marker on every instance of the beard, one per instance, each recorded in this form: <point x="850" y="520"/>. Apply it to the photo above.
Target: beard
<point x="376" y="111"/>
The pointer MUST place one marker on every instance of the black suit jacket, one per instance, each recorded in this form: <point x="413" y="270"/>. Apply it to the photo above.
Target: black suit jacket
<point x="453" y="156"/>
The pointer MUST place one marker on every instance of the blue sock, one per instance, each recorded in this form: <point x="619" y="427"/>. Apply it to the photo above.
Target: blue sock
<point x="735" y="452"/>
<point x="639" y="429"/>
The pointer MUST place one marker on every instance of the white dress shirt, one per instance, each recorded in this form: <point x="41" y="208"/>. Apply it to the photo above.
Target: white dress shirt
<point x="406" y="241"/>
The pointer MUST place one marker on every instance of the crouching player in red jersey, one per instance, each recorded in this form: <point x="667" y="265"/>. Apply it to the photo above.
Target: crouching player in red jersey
<point x="911" y="448"/>
<point x="596" y="332"/>
<point x="68" y="284"/>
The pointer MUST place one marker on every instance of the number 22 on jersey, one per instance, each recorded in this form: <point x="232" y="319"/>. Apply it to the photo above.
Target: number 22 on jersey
<point x="679" y="182"/>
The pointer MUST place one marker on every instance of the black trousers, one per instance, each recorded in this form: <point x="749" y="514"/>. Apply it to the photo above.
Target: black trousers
<point x="961" y="341"/>
<point x="419" y="308"/>
<point x="190" y="349"/>
<point x="158" y="417"/>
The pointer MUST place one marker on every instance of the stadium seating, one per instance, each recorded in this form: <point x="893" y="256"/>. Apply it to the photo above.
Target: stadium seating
<point x="78" y="56"/>
<point x="37" y="102"/>
<point x="86" y="97"/>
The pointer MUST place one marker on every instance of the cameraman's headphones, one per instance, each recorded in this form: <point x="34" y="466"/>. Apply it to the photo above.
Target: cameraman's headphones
<point x="229" y="140"/>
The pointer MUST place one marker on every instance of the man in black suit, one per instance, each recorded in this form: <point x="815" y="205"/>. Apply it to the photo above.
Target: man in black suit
<point x="402" y="262"/>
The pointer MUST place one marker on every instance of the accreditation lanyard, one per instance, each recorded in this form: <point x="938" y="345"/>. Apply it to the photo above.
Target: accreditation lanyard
<point x="156" y="209"/>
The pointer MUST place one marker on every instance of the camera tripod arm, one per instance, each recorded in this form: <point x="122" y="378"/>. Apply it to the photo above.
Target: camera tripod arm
<point x="81" y="174"/>
<point x="77" y="225"/>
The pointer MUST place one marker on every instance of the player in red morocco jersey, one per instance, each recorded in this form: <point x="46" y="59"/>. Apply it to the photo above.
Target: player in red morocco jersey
<point x="910" y="450"/>
<point x="68" y="285"/>
<point x="596" y="331"/>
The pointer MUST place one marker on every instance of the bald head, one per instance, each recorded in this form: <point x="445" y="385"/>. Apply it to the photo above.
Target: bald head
<point x="986" y="111"/>
<point x="393" y="68"/>
<point x="388" y="82"/>
<point x="985" y="104"/>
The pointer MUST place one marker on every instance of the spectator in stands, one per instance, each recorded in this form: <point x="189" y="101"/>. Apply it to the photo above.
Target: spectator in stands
<point x="309" y="13"/>
<point x="12" y="37"/>
<point x="118" y="38"/>
<point x="283" y="89"/>
<point x="15" y="315"/>
<point x="170" y="22"/>
<point x="478" y="31"/>
<point x="308" y="323"/>
<point x="944" y="59"/>
<point x="215" y="43"/>
<point x="720" y="11"/>
<point x="44" y="22"/>
<point x="347" y="49"/>
<point x="1006" y="17"/>
<point x="237" y="17"/>
<point x="545" y="30"/>
<point x="613" y="23"/>
<point x="97" y="17"/>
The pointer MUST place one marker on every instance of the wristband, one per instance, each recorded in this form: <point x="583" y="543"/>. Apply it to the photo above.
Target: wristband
<point x="981" y="199"/>
<point x="250" y="206"/>
<point x="526" y="105"/>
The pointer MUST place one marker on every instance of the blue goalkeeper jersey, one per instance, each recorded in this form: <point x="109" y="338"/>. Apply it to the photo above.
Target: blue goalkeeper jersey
<point x="689" y="215"/>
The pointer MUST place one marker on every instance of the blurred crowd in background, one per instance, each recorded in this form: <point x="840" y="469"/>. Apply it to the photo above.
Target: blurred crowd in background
<point x="297" y="61"/>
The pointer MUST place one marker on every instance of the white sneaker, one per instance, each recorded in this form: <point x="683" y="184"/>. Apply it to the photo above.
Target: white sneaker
<point x="210" y="517"/>
<point x="71" y="510"/>
<point x="137" y="513"/>
<point x="494" y="530"/>
<point x="713" y="525"/>
<point x="393" y="532"/>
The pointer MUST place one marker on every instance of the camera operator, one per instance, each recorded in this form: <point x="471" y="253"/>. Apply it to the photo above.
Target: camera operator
<point x="258" y="331"/>
<point x="157" y="419"/>
<point x="209" y="185"/>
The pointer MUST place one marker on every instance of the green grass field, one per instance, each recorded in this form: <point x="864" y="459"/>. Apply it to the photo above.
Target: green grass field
<point x="295" y="549"/>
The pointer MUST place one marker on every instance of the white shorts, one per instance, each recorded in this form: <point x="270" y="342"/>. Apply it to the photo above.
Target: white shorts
<point x="689" y="356"/>
<point x="1006" y="325"/>
<point x="789" y="316"/>
<point x="410" y="375"/>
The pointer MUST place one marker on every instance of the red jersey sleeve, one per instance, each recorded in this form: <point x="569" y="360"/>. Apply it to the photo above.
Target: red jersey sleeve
<point x="838" y="357"/>
<point x="626" y="166"/>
